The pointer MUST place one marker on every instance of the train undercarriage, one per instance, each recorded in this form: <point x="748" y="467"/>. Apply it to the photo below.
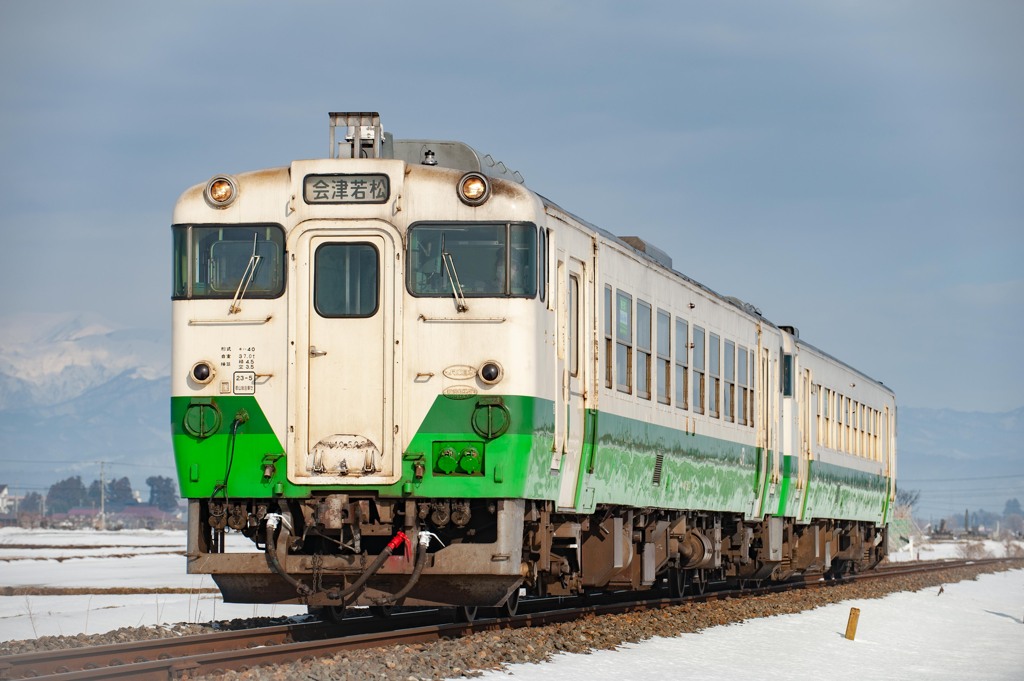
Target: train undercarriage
<point x="340" y="550"/>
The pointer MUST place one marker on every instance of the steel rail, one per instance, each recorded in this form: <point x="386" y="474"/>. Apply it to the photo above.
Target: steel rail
<point x="171" y="658"/>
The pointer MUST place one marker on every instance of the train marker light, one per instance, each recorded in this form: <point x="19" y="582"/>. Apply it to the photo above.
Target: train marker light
<point x="202" y="372"/>
<point x="221" y="191"/>
<point x="474" y="189"/>
<point x="491" y="372"/>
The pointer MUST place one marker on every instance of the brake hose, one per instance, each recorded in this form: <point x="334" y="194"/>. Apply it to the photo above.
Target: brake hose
<point x="274" y="519"/>
<point x="421" y="560"/>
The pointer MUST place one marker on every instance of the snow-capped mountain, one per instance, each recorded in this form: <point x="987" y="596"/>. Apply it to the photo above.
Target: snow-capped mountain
<point x="74" y="390"/>
<point x="47" y="359"/>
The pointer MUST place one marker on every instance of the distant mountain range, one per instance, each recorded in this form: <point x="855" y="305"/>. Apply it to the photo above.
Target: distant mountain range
<point x="75" y="390"/>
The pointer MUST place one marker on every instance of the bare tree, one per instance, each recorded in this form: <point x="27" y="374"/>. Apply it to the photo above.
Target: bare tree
<point x="908" y="497"/>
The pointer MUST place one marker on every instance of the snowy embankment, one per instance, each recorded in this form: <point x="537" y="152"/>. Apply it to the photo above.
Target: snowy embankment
<point x="971" y="630"/>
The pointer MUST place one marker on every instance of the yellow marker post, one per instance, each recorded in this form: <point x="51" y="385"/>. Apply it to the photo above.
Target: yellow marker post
<point x="851" y="624"/>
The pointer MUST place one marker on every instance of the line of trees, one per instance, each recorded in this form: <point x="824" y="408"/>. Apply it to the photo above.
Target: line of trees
<point x="72" y="493"/>
<point x="1012" y="518"/>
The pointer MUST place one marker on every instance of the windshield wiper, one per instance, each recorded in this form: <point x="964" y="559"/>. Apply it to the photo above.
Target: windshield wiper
<point x="247" y="277"/>
<point x="453" y="277"/>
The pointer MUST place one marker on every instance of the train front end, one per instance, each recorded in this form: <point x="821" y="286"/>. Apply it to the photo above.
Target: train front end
<point x="354" y="386"/>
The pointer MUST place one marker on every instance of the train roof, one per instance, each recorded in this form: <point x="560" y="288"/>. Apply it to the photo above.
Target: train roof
<point x="364" y="133"/>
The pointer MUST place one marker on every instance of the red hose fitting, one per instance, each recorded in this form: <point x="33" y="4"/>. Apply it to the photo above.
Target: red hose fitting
<point x="399" y="539"/>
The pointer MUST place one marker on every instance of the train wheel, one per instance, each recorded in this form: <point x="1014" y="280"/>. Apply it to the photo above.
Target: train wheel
<point x="381" y="611"/>
<point x="507" y="609"/>
<point x="333" y="614"/>
<point x="677" y="582"/>
<point x="511" y="606"/>
<point x="700" y="582"/>
<point x="465" y="613"/>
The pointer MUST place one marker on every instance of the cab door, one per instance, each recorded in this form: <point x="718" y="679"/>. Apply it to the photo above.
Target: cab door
<point x="345" y="340"/>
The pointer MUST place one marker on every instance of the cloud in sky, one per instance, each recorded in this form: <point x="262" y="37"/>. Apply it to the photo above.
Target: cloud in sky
<point x="851" y="168"/>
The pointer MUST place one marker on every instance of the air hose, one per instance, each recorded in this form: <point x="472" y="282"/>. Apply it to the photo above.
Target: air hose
<point x="274" y="519"/>
<point x="355" y="586"/>
<point x="421" y="560"/>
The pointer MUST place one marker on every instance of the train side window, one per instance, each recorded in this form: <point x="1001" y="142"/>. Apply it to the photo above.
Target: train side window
<point x="574" y="325"/>
<point x="698" y="370"/>
<point x="869" y="433"/>
<point x="730" y="381"/>
<point x="852" y="425"/>
<point x="624" y="342"/>
<point x="822" y="415"/>
<point x="825" y="421"/>
<point x="542" y="263"/>
<point x="861" y="431"/>
<point x="839" y="422"/>
<point x="682" y="351"/>
<point x="346" y="280"/>
<point x="750" y="391"/>
<point x="643" y="349"/>
<point x="742" y="381"/>
<point x="715" y="372"/>
<point x="609" y="350"/>
<point x="845" y="411"/>
<point x="664" y="357"/>
<point x="787" y="375"/>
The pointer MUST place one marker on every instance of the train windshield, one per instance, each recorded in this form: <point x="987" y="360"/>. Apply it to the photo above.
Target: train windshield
<point x="219" y="261"/>
<point x="487" y="260"/>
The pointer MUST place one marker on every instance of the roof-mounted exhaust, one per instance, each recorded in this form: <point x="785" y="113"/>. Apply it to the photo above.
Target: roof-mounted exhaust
<point x="362" y="137"/>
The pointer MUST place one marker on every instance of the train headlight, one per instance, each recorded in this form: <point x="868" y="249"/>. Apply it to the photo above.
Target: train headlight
<point x="491" y="372"/>
<point x="202" y="372"/>
<point x="474" y="189"/>
<point x="221" y="191"/>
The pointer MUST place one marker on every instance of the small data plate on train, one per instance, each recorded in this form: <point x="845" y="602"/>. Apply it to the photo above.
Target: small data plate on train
<point x="245" y="383"/>
<point x="346" y="188"/>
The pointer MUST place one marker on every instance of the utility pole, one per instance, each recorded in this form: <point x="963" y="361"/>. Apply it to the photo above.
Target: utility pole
<point x="103" y="498"/>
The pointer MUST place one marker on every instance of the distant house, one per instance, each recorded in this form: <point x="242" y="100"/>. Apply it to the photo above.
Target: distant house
<point x="145" y="516"/>
<point x="5" y="500"/>
<point x="83" y="513"/>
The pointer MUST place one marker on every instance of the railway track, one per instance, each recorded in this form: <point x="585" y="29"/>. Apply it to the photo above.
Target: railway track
<point x="216" y="652"/>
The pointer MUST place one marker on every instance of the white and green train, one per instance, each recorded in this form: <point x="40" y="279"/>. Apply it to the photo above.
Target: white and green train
<point x="410" y="379"/>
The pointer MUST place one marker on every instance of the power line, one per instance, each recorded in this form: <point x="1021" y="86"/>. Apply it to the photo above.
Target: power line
<point x="958" y="490"/>
<point x="94" y="463"/>
<point x="990" y="477"/>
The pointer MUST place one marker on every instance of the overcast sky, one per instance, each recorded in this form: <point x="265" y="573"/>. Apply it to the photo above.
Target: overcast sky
<point x="855" y="169"/>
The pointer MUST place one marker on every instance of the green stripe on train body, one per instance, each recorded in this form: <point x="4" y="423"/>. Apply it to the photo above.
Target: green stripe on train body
<point x="620" y="466"/>
<point x="694" y="471"/>
<point x="845" y="493"/>
<point x="203" y="462"/>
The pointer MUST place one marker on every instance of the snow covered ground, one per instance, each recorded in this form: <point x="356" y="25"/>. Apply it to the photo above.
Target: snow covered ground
<point x="108" y="560"/>
<point x="973" y="630"/>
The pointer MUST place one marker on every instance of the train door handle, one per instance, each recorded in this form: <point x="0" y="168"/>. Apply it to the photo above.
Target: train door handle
<point x="313" y="352"/>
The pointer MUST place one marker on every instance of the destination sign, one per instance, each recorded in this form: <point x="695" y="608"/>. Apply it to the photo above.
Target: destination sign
<point x="346" y="188"/>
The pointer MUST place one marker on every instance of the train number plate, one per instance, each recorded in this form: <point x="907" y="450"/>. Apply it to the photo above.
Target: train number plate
<point x="245" y="383"/>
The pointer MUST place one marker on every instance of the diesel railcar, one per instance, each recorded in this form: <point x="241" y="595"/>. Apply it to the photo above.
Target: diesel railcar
<point x="409" y="379"/>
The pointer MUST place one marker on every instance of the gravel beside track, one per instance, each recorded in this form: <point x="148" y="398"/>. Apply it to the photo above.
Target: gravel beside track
<point x="490" y="650"/>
